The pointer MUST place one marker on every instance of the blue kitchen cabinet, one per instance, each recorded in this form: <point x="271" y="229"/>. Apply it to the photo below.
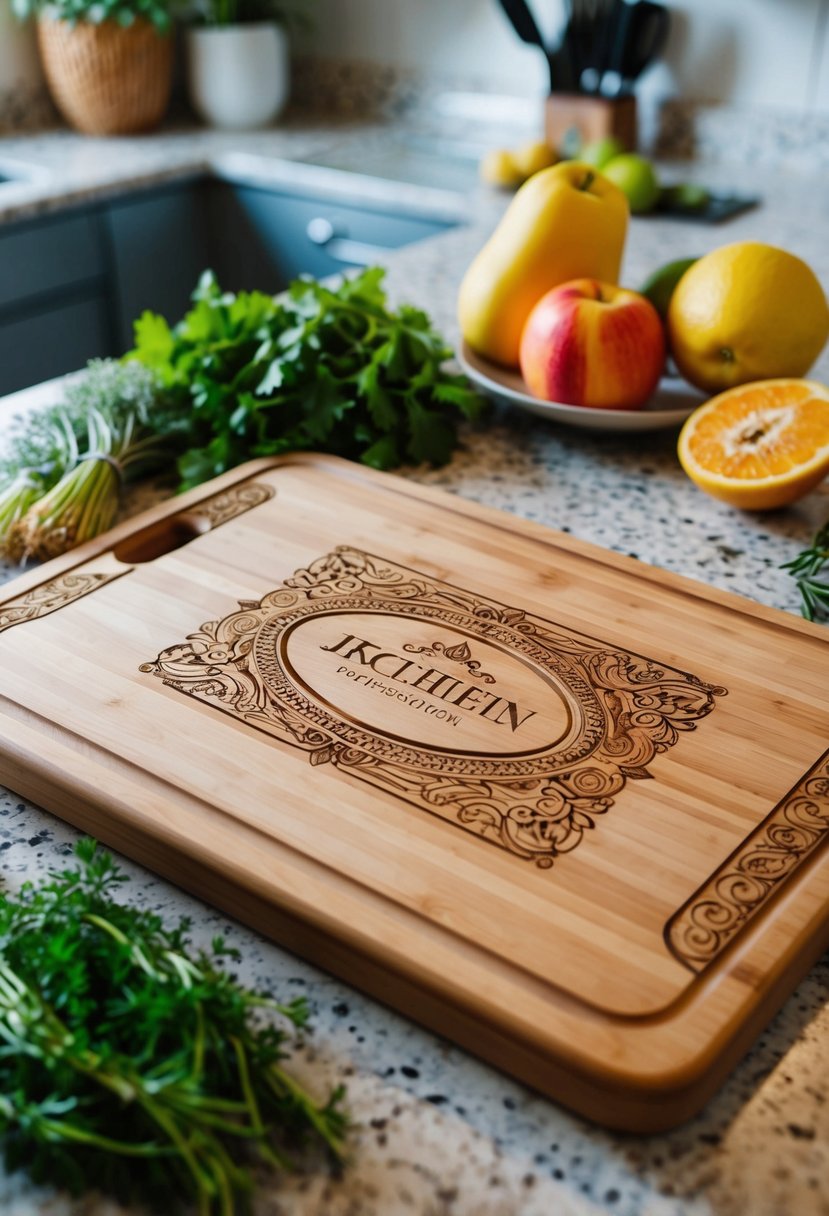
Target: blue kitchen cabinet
<point x="53" y="339"/>
<point x="263" y="238"/>
<point x="54" y="312"/>
<point x="158" y="248"/>
<point x="72" y="285"/>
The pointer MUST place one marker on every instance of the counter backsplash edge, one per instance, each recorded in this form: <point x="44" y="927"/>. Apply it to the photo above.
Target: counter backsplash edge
<point x="361" y="89"/>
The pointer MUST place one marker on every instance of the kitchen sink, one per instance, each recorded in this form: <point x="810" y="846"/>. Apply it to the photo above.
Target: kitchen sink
<point x="17" y="172"/>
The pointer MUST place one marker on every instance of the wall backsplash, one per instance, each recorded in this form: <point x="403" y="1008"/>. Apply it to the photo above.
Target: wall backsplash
<point x="24" y="101"/>
<point x="362" y="89"/>
<point x="26" y="108"/>
<point x="351" y="87"/>
<point x="766" y="53"/>
<point x="711" y="132"/>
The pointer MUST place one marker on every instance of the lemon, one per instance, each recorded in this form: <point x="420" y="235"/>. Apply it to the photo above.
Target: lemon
<point x="761" y="445"/>
<point x="532" y="158"/>
<point x="746" y="312"/>
<point x="498" y="168"/>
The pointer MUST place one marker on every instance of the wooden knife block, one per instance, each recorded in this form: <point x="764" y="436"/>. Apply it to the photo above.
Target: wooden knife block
<point x="591" y="118"/>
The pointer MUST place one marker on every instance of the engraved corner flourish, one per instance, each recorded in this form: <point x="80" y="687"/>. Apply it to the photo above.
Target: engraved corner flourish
<point x="67" y="588"/>
<point x="787" y="838"/>
<point x="227" y="505"/>
<point x="49" y="597"/>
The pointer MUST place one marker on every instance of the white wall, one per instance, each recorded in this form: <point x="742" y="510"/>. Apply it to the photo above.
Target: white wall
<point x="764" y="53"/>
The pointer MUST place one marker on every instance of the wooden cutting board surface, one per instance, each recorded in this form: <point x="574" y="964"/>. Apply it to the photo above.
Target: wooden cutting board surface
<point x="558" y="805"/>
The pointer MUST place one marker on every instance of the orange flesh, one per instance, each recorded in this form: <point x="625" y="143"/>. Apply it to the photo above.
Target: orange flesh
<point x="764" y="432"/>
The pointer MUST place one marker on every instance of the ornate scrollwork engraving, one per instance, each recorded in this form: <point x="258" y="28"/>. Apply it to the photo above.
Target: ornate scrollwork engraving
<point x="538" y="805"/>
<point x="459" y="653"/>
<point x="796" y="827"/>
<point x="221" y="508"/>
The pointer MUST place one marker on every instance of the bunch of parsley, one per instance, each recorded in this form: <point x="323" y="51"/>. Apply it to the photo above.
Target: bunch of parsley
<point x="131" y="1064"/>
<point x="317" y="367"/>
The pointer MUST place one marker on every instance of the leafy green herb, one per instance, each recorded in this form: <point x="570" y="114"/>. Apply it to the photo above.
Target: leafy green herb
<point x="317" y="367"/>
<point x="807" y="569"/>
<point x="131" y="1064"/>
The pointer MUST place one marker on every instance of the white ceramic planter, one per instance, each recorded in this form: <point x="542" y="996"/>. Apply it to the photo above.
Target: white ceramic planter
<point x="238" y="75"/>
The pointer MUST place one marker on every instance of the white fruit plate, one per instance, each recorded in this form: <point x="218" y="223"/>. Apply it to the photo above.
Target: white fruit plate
<point x="669" y="406"/>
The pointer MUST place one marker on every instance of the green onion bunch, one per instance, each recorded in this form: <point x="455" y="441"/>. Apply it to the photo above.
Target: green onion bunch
<point x="61" y="477"/>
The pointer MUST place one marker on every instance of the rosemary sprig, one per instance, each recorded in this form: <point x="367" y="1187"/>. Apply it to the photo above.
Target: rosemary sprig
<point x="131" y="1064"/>
<point x="806" y="569"/>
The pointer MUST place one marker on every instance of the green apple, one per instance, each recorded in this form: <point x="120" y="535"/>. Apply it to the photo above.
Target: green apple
<point x="599" y="152"/>
<point x="636" y="178"/>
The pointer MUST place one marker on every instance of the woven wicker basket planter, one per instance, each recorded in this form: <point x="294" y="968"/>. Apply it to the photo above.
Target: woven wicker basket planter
<point x="107" y="79"/>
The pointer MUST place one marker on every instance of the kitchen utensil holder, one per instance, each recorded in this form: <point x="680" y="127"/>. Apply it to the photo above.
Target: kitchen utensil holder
<point x="580" y="118"/>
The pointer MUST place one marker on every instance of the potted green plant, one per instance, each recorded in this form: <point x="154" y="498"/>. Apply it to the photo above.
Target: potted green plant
<point x="237" y="63"/>
<point x="108" y="63"/>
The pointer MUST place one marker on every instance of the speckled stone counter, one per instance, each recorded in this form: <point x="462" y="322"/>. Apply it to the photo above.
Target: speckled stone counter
<point x="438" y="1133"/>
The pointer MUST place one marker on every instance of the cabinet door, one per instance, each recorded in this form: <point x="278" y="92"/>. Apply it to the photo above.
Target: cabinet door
<point x="53" y="340"/>
<point x="159" y="249"/>
<point x="262" y="240"/>
<point x="44" y="257"/>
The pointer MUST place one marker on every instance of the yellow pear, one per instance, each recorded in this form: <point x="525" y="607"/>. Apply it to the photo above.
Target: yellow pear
<point x="567" y="222"/>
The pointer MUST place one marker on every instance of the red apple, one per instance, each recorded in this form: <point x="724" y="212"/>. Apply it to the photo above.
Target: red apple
<point x="594" y="344"/>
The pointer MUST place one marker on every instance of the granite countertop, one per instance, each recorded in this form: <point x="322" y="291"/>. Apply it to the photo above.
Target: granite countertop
<point x="439" y="1133"/>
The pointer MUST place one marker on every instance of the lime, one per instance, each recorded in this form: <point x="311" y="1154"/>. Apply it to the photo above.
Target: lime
<point x="685" y="197"/>
<point x="636" y="178"/>
<point x="659" y="286"/>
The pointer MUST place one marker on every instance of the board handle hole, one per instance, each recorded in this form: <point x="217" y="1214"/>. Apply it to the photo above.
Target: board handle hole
<point x="159" y="538"/>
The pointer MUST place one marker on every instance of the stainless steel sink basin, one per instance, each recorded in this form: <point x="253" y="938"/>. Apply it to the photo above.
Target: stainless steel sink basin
<point x="17" y="172"/>
<point x="419" y="160"/>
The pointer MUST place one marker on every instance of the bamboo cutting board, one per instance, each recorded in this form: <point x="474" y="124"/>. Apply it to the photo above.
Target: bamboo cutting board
<point x="564" y="808"/>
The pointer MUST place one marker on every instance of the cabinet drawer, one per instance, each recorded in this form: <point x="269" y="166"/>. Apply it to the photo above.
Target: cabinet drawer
<point x="278" y="236"/>
<point x="50" y="342"/>
<point x="47" y="255"/>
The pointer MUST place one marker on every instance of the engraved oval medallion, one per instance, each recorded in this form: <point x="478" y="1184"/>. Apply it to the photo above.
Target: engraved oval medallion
<point x="425" y="684"/>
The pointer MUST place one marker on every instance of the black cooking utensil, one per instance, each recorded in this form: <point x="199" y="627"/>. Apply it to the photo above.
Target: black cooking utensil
<point x="648" y="28"/>
<point x="527" y="29"/>
<point x="640" y="30"/>
<point x="587" y="38"/>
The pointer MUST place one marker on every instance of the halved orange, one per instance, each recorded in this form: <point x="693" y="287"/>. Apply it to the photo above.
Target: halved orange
<point x="759" y="445"/>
